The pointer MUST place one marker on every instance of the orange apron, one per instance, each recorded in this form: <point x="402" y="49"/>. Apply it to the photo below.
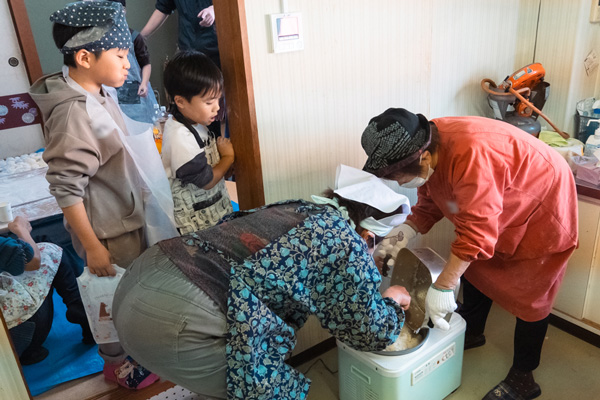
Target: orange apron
<point x="513" y="202"/>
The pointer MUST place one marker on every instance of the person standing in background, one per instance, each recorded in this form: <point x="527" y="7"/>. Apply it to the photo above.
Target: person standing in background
<point x="136" y="97"/>
<point x="196" y="25"/>
<point x="196" y="32"/>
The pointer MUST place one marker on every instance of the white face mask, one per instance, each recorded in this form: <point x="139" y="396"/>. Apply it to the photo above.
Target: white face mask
<point x="385" y="225"/>
<point x="418" y="181"/>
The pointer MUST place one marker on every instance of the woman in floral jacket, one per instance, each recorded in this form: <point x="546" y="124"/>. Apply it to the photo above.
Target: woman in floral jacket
<point x="216" y="311"/>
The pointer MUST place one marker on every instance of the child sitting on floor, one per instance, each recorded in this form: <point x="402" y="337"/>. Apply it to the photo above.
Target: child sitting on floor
<point x="28" y="272"/>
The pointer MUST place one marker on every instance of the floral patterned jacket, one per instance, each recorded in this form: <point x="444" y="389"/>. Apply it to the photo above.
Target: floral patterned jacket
<point x="317" y="264"/>
<point x="22" y="295"/>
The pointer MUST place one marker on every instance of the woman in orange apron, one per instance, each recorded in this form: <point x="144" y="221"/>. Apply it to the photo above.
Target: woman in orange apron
<point x="513" y="202"/>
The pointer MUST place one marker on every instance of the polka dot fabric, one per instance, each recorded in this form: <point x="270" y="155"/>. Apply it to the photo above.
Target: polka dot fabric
<point x="106" y="20"/>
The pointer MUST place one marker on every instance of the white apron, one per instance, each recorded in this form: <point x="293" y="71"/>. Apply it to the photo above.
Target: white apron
<point x="139" y="143"/>
<point x="197" y="208"/>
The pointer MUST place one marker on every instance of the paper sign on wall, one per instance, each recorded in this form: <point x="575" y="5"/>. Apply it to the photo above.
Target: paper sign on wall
<point x="590" y="62"/>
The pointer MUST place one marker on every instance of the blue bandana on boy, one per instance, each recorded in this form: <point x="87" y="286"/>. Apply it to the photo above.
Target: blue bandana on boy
<point x="106" y="22"/>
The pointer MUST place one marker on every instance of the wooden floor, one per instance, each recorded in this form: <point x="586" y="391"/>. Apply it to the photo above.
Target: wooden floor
<point x="144" y="394"/>
<point x="95" y="387"/>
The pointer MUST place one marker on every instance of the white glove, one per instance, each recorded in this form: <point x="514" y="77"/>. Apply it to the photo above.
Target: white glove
<point x="396" y="240"/>
<point x="438" y="303"/>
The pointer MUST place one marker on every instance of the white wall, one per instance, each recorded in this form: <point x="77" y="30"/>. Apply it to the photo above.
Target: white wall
<point x="312" y="105"/>
<point x="565" y="38"/>
<point x="363" y="57"/>
<point x="473" y="40"/>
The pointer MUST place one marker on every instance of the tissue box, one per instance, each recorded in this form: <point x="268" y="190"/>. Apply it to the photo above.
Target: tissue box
<point x="586" y="169"/>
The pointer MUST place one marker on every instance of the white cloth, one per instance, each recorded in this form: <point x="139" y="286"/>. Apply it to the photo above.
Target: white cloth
<point x="360" y="186"/>
<point x="139" y="143"/>
<point x="363" y="187"/>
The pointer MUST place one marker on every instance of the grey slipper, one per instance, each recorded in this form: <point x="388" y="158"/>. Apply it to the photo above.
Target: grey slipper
<point x="503" y="392"/>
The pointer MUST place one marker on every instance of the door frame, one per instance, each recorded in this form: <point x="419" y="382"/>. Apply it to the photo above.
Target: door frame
<point x="232" y="31"/>
<point x="18" y="12"/>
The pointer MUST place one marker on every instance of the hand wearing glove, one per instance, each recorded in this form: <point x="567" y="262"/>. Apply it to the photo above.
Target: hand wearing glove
<point x="438" y="303"/>
<point x="396" y="240"/>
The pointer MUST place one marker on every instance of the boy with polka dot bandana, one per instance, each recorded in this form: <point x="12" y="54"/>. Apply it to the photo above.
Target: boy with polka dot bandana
<point x="91" y="173"/>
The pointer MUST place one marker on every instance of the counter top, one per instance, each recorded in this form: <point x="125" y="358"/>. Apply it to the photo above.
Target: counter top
<point x="28" y="195"/>
<point x="587" y="189"/>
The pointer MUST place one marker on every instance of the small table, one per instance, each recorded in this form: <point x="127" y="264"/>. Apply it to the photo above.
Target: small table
<point x="28" y="195"/>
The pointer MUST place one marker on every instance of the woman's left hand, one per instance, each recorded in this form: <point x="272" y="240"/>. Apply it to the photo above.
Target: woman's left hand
<point x="19" y="226"/>
<point x="143" y="90"/>
<point x="207" y="16"/>
<point x="399" y="294"/>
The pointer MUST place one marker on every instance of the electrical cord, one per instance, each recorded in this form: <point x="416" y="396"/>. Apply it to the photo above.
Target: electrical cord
<point x="324" y="365"/>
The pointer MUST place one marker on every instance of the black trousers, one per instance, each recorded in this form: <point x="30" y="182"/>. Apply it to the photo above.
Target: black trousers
<point x="529" y="336"/>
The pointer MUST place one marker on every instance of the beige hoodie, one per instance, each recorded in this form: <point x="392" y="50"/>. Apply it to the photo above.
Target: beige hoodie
<point x="83" y="167"/>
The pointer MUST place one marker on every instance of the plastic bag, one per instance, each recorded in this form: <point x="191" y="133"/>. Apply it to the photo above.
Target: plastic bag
<point x="97" y="295"/>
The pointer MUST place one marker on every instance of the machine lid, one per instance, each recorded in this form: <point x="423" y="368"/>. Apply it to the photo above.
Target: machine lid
<point x="410" y="272"/>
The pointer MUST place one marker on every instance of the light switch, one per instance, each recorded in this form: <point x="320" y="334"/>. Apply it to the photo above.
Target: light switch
<point x="286" y="32"/>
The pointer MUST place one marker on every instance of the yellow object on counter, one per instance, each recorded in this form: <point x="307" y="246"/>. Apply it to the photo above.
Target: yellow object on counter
<point x="553" y="139"/>
<point x="566" y="147"/>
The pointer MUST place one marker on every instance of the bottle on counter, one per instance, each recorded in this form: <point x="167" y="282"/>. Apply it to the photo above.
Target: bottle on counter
<point x="160" y="117"/>
<point x="593" y="141"/>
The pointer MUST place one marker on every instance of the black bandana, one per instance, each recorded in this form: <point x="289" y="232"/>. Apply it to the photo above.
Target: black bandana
<point x="395" y="136"/>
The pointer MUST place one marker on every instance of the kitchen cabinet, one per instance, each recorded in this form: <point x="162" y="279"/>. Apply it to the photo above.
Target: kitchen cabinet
<point x="578" y="300"/>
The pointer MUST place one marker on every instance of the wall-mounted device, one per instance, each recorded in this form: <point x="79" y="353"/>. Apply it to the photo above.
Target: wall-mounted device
<point x="595" y="11"/>
<point x="286" y="32"/>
